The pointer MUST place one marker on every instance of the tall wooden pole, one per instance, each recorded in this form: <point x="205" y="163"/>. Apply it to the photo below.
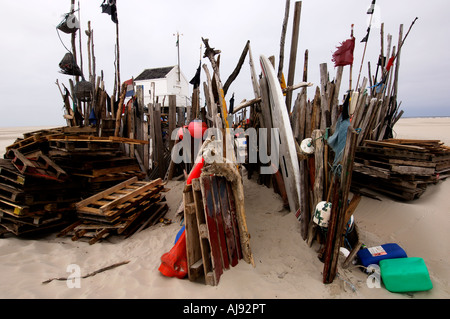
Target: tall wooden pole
<point x="74" y="48"/>
<point x="293" y="57"/>
<point x="178" y="53"/>
<point x="118" y="60"/>
<point x="351" y="65"/>
<point x="79" y="40"/>
<point x="283" y="37"/>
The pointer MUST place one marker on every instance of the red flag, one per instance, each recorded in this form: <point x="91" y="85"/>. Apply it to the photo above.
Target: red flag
<point x="344" y="54"/>
<point x="390" y="63"/>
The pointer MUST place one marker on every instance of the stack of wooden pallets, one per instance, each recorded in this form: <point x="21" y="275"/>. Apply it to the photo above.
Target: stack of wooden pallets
<point x="45" y="173"/>
<point x="32" y="195"/>
<point x="400" y="168"/>
<point x="212" y="231"/>
<point x="96" y="162"/>
<point x="123" y="209"/>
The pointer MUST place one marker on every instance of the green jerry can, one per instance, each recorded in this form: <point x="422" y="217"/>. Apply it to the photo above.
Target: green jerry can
<point x="405" y="274"/>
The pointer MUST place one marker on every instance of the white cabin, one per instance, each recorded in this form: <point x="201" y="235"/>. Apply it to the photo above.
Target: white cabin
<point x="168" y="81"/>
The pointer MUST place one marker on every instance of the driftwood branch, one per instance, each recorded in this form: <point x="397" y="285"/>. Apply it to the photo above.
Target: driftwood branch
<point x="90" y="274"/>
<point x="236" y="71"/>
<point x="282" y="40"/>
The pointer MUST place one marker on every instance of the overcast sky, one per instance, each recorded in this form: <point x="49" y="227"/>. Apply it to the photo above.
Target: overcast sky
<point x="30" y="49"/>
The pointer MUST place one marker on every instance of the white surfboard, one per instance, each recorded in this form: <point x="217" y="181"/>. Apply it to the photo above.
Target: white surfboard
<point x="288" y="153"/>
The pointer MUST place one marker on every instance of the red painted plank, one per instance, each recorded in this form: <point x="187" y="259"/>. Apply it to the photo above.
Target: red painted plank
<point x="234" y="221"/>
<point x="220" y="222"/>
<point x="227" y="222"/>
<point x="208" y="204"/>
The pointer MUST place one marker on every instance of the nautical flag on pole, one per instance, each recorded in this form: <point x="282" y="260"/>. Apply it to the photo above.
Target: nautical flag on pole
<point x="196" y="79"/>
<point x="344" y="54"/>
<point x="109" y="7"/>
<point x="372" y="7"/>
<point x="130" y="88"/>
<point x="366" y="38"/>
<point x="370" y="11"/>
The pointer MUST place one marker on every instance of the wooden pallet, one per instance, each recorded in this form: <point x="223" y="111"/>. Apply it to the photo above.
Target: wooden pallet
<point x="38" y="166"/>
<point x="102" y="203"/>
<point x="212" y="235"/>
<point x="400" y="168"/>
<point x="94" y="231"/>
<point x="9" y="173"/>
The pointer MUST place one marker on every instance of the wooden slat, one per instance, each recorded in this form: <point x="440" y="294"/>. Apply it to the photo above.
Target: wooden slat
<point x="102" y="194"/>
<point x="413" y="148"/>
<point x="131" y="194"/>
<point x="193" y="250"/>
<point x="227" y="221"/>
<point x="220" y="223"/>
<point x="208" y="200"/>
<point x="205" y="244"/>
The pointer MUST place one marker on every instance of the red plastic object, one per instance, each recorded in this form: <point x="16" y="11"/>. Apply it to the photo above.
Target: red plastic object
<point x="196" y="171"/>
<point x="180" y="132"/>
<point x="174" y="263"/>
<point x="197" y="128"/>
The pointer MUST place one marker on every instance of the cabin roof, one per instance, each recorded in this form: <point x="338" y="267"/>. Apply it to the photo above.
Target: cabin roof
<point x="155" y="73"/>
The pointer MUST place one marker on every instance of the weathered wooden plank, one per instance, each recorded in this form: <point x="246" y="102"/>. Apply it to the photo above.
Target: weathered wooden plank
<point x="413" y="148"/>
<point x="411" y="163"/>
<point x="220" y="222"/>
<point x="193" y="250"/>
<point x="102" y="194"/>
<point x="413" y="170"/>
<point x="203" y="233"/>
<point x="232" y="207"/>
<point x="208" y="200"/>
<point x="227" y="221"/>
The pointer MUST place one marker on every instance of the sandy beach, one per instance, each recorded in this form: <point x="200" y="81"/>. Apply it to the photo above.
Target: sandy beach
<point x="285" y="267"/>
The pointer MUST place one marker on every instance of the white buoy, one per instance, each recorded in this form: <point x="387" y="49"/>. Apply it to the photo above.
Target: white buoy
<point x="306" y="146"/>
<point x="322" y="214"/>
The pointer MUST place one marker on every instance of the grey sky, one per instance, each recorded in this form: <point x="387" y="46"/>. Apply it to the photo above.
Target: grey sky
<point x="30" y="49"/>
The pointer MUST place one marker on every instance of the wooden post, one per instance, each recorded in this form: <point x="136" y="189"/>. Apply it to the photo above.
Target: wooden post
<point x="79" y="40"/>
<point x="335" y="99"/>
<point x="254" y="77"/>
<point x="172" y="119"/>
<point x="210" y="53"/>
<point x="318" y="179"/>
<point x="282" y="40"/>
<point x="73" y="36"/>
<point x="89" y="34"/>
<point x="325" y="106"/>
<point x="339" y="206"/>
<point x="119" y="110"/>
<point x="294" y="46"/>
<point x="158" y="145"/>
<point x="210" y="95"/>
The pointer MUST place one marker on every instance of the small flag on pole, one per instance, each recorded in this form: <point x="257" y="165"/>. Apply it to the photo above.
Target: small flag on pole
<point x="130" y="88"/>
<point x="196" y="79"/>
<point x="344" y="54"/>
<point x="366" y="38"/>
<point x="109" y="7"/>
<point x="372" y="8"/>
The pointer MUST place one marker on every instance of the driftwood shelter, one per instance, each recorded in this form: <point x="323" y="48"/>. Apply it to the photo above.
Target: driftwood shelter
<point x="105" y="172"/>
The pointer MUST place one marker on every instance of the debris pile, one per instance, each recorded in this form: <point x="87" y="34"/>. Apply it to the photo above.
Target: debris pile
<point x="123" y="209"/>
<point x="44" y="174"/>
<point x="401" y="168"/>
